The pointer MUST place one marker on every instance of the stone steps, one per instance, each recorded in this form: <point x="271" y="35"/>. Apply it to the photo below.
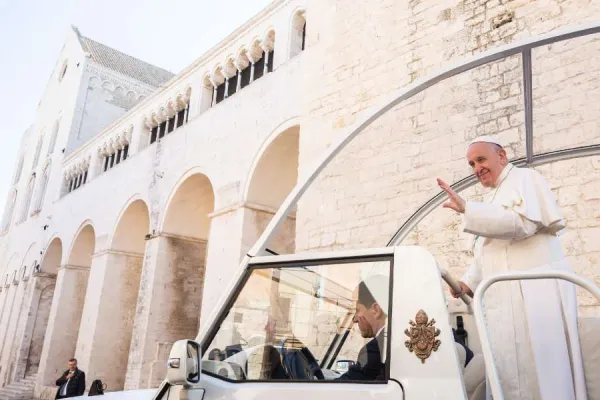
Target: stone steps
<point x="20" y="390"/>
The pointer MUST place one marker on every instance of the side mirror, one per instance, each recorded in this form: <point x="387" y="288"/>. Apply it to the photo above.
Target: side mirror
<point x="183" y="367"/>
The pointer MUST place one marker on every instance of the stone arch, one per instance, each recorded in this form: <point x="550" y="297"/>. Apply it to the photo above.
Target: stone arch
<point x="119" y="268"/>
<point x="273" y="175"/>
<point x="43" y="285"/>
<point x="28" y="260"/>
<point x="189" y="206"/>
<point x="67" y="304"/>
<point x="297" y="39"/>
<point x="179" y="250"/>
<point x="206" y="94"/>
<point x="52" y="257"/>
<point x="131" y="226"/>
<point x="83" y="246"/>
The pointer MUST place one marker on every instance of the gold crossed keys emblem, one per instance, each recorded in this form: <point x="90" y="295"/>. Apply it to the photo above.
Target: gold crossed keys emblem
<point x="422" y="336"/>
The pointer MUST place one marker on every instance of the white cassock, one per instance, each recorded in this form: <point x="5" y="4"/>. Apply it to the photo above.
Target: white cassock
<point x="532" y="324"/>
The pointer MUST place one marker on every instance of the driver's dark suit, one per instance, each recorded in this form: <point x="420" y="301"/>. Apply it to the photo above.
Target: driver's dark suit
<point x="369" y="365"/>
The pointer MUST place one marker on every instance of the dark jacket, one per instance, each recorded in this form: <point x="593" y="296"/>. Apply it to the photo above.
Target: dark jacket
<point x="75" y="387"/>
<point x="369" y="365"/>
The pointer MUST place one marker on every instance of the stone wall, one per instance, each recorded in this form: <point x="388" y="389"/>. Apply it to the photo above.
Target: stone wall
<point x="390" y="170"/>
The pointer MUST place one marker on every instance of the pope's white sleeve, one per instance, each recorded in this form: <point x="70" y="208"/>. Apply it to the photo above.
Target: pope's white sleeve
<point x="497" y="222"/>
<point x="472" y="277"/>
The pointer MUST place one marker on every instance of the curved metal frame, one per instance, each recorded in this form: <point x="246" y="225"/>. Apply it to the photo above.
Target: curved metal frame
<point x="491" y="371"/>
<point x="523" y="47"/>
<point x="520" y="47"/>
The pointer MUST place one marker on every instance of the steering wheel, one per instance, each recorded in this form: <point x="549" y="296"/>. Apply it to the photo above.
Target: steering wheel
<point x="299" y="362"/>
<point x="312" y="362"/>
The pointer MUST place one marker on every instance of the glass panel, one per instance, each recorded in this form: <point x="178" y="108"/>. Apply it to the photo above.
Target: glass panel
<point x="297" y="323"/>
<point x="566" y="94"/>
<point x="390" y="170"/>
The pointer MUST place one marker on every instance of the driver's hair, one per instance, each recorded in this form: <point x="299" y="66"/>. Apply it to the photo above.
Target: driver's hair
<point x="374" y="289"/>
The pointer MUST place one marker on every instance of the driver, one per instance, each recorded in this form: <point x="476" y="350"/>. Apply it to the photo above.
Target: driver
<point x="371" y="317"/>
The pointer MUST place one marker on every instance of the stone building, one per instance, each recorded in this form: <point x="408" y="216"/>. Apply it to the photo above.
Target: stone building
<point x="138" y="191"/>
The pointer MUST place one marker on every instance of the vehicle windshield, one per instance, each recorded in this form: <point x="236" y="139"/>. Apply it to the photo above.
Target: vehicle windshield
<point x="286" y="308"/>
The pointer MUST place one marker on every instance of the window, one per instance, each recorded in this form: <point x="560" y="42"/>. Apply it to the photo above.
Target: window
<point x="114" y="159"/>
<point x="298" y="37"/>
<point x="19" y="171"/>
<point x="52" y="143"/>
<point x="76" y="181"/>
<point x="41" y="194"/>
<point x="27" y="200"/>
<point x="287" y="321"/>
<point x="154" y="134"/>
<point x="38" y="149"/>
<point x="220" y="93"/>
<point x="177" y="120"/>
<point x="63" y="71"/>
<point x="8" y="211"/>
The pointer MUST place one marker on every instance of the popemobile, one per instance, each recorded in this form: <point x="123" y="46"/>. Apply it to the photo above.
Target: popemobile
<point x="371" y="307"/>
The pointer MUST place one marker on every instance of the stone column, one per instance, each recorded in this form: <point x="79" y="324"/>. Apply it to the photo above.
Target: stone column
<point x="11" y="291"/>
<point x="35" y="322"/>
<point x="226" y="94"/>
<point x="214" y="98"/>
<point x="8" y="344"/>
<point x="108" y="313"/>
<point x="63" y="326"/>
<point x="168" y="305"/>
<point x="232" y="233"/>
<point x="239" y="81"/>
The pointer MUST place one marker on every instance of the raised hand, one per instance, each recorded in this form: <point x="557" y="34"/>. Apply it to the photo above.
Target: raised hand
<point x="454" y="202"/>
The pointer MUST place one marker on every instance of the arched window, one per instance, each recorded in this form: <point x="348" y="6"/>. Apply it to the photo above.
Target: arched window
<point x="41" y="193"/>
<point x="63" y="70"/>
<point x="38" y="149"/>
<point x="19" y="171"/>
<point x="8" y="211"/>
<point x="27" y="199"/>
<point x="298" y="37"/>
<point x="52" y="143"/>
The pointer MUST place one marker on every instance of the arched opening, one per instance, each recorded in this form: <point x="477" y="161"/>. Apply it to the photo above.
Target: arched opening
<point x="119" y="270"/>
<point x="298" y="33"/>
<point x="187" y="213"/>
<point x="52" y="257"/>
<point x="67" y="305"/>
<point x="83" y="248"/>
<point x="176" y="273"/>
<point x="44" y="282"/>
<point x="275" y="174"/>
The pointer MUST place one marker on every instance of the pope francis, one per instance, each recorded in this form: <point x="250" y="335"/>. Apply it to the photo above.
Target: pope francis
<point x="532" y="324"/>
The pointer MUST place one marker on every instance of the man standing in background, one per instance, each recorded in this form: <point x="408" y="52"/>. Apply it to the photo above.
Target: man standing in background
<point x="72" y="382"/>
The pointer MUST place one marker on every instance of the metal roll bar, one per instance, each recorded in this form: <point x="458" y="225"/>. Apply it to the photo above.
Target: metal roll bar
<point x="491" y="371"/>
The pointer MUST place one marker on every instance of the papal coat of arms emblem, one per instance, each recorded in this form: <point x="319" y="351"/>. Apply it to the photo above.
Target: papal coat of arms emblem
<point x="422" y="336"/>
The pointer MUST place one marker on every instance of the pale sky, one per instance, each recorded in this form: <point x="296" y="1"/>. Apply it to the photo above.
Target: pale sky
<point x="169" y="34"/>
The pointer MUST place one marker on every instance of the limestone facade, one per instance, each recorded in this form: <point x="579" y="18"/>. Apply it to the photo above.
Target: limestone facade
<point x="119" y="245"/>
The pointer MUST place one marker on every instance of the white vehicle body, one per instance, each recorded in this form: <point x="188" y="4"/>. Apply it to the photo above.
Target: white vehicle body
<point x="415" y="282"/>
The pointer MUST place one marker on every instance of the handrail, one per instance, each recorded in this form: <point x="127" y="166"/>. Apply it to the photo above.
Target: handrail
<point x="491" y="371"/>
<point x="453" y="283"/>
